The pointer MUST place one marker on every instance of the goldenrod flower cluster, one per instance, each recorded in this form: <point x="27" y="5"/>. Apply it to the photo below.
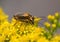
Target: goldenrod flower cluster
<point x="17" y="31"/>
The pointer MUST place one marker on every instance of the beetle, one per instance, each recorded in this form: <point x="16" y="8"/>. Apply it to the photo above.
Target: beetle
<point x="24" y="17"/>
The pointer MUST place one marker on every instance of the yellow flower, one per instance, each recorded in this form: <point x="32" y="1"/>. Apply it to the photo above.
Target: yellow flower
<point x="24" y="38"/>
<point x="22" y="28"/>
<point x="55" y="20"/>
<point x="33" y="36"/>
<point x="39" y="31"/>
<point x="6" y="23"/>
<point x="6" y="32"/>
<point x="56" y="14"/>
<point x="47" y="24"/>
<point x="53" y="25"/>
<point x="37" y="19"/>
<point x="55" y="39"/>
<point x="13" y="21"/>
<point x="2" y="38"/>
<point x="51" y="17"/>
<point x="12" y="30"/>
<point x="2" y="15"/>
<point x="1" y="10"/>
<point x="14" y="38"/>
<point x="42" y="39"/>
